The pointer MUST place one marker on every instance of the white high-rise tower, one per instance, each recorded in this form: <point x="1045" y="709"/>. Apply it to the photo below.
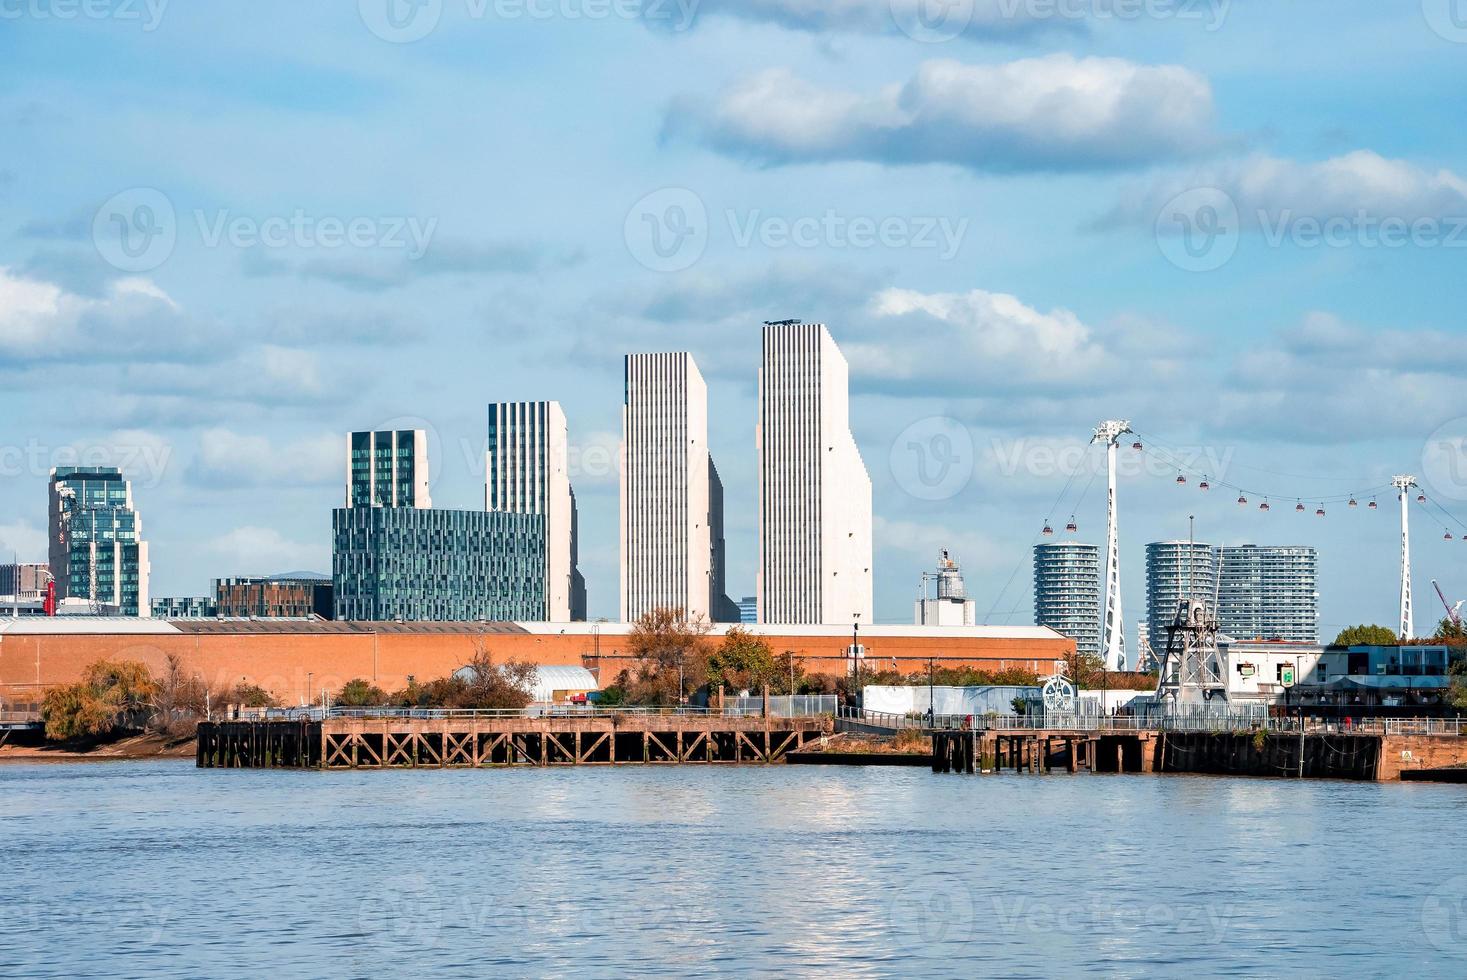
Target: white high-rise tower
<point x="1403" y="485"/>
<point x="1112" y="632"/>
<point x="526" y="472"/>
<point x="814" y="492"/>
<point x="671" y="497"/>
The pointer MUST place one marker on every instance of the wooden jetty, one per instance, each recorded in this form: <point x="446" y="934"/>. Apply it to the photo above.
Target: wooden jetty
<point x="1286" y="754"/>
<point x="472" y="740"/>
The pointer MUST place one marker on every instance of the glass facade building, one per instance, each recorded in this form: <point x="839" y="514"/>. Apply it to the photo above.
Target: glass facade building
<point x="1067" y="592"/>
<point x="387" y="469"/>
<point x="1268" y="593"/>
<point x="1177" y="570"/>
<point x="184" y="607"/>
<point x="399" y="563"/>
<point x="97" y="553"/>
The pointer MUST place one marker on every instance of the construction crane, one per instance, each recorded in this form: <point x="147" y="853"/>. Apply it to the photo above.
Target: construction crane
<point x="1453" y="612"/>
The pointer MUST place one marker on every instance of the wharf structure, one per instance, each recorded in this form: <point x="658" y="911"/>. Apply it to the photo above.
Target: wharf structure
<point x="473" y="739"/>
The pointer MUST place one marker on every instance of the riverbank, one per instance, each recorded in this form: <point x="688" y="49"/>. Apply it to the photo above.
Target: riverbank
<point x="133" y="747"/>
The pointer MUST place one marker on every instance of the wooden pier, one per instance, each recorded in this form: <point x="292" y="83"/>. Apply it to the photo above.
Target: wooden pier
<point x="1041" y="750"/>
<point x="474" y="741"/>
<point x="1311" y="755"/>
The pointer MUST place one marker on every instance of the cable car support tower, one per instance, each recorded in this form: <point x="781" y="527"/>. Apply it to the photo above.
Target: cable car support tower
<point x="1403" y="485"/>
<point x="1112" y="636"/>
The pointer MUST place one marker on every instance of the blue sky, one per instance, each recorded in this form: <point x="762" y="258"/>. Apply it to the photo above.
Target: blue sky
<point x="987" y="209"/>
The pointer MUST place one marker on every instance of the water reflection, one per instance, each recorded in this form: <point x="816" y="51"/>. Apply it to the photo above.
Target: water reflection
<point x="162" y="870"/>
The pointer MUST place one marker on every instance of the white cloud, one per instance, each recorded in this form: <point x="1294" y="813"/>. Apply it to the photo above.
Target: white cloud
<point x="947" y="341"/>
<point x="1055" y="113"/>
<point x="230" y="458"/>
<point x="131" y="320"/>
<point x="253" y="550"/>
<point x="1265" y="189"/>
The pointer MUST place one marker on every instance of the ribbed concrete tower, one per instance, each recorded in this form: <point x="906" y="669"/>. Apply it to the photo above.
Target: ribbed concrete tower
<point x="671" y="497"/>
<point x="526" y="472"/>
<point x="814" y="492"/>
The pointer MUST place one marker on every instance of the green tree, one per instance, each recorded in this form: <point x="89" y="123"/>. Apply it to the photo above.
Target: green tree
<point x="1448" y="631"/>
<point x="743" y="661"/>
<point x="112" y="695"/>
<point x="360" y="693"/>
<point x="251" y="696"/>
<point x="1458" y="692"/>
<point x="671" y="657"/>
<point x="1364" y="635"/>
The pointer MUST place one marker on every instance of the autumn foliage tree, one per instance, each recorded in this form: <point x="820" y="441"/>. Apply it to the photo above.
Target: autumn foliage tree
<point x="671" y="653"/>
<point x="112" y="696"/>
<point x="742" y="662"/>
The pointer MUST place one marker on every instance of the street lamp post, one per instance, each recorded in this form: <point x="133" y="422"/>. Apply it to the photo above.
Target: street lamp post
<point x="931" y="692"/>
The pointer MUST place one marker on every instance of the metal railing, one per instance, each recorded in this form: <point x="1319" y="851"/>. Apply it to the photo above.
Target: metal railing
<point x="751" y="709"/>
<point x="1200" y="722"/>
<point x="782" y="705"/>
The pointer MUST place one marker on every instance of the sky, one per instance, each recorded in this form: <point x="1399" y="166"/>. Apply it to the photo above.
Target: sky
<point x="232" y="232"/>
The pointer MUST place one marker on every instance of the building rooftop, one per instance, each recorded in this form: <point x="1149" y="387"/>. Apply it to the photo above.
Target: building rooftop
<point x="43" y="625"/>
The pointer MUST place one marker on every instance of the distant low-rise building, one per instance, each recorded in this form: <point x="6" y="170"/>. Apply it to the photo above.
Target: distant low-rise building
<point x="184" y="607"/>
<point x="749" y="609"/>
<point x="273" y="597"/>
<point x="1330" y="680"/>
<point x="24" y="582"/>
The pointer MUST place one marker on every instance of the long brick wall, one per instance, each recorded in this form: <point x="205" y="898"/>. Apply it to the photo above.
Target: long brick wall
<point x="294" y="666"/>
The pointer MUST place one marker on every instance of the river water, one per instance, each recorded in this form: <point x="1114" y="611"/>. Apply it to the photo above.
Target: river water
<point x="159" y="869"/>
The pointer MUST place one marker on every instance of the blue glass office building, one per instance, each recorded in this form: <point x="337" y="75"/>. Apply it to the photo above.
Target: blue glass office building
<point x="407" y="563"/>
<point x="97" y="553"/>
